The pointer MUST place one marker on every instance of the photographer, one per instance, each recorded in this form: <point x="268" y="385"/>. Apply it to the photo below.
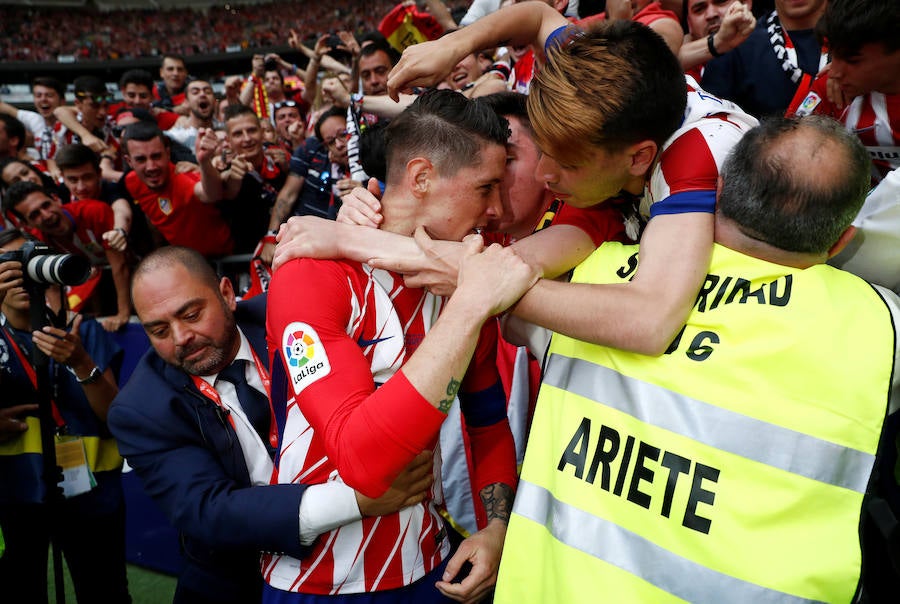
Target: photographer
<point x="88" y="526"/>
<point x="78" y="228"/>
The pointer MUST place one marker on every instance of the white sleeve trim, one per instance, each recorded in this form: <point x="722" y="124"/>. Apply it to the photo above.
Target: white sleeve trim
<point x="325" y="507"/>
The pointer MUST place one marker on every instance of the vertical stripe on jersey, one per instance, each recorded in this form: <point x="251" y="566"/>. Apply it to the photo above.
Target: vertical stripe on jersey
<point x="381" y="553"/>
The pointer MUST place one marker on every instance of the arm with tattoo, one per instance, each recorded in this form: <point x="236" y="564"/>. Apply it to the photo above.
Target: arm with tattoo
<point x="497" y="500"/>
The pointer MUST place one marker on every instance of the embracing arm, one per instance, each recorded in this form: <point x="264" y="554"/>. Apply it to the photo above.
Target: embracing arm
<point x="493" y="473"/>
<point x="644" y="314"/>
<point x="188" y="481"/>
<point x="556" y="249"/>
<point x="371" y="434"/>
<point x="386" y="107"/>
<point x="553" y="250"/>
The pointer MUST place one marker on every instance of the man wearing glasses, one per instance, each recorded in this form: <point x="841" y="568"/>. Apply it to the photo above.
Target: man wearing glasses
<point x="318" y="176"/>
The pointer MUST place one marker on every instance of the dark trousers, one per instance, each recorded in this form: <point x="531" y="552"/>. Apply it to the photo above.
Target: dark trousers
<point x="93" y="545"/>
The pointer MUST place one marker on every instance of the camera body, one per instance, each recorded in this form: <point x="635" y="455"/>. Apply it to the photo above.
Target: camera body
<point x="44" y="266"/>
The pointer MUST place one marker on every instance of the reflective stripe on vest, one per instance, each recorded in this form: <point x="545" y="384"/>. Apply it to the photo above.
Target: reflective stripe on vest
<point x="732" y="468"/>
<point x="769" y="444"/>
<point x="670" y="572"/>
<point x="102" y="453"/>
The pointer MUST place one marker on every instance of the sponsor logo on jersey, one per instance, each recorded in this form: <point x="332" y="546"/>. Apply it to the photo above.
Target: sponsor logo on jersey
<point x="811" y="101"/>
<point x="165" y="205"/>
<point x="305" y="355"/>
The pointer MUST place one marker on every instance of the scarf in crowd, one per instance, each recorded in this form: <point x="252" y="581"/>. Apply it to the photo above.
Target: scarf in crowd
<point x="785" y="51"/>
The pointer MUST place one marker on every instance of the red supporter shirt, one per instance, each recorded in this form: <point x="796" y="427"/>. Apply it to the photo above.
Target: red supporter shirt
<point x="91" y="219"/>
<point x="647" y="15"/>
<point x="164" y="119"/>
<point x="179" y="216"/>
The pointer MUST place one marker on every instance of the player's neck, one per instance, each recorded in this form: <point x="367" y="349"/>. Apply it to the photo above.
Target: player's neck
<point x="399" y="213"/>
<point x="635" y="184"/>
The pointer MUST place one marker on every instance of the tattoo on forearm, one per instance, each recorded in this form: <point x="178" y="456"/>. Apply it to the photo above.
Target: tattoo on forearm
<point x="452" y="389"/>
<point x="280" y="211"/>
<point x="497" y="499"/>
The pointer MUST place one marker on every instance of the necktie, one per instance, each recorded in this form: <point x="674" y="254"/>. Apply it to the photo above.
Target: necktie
<point x="253" y="402"/>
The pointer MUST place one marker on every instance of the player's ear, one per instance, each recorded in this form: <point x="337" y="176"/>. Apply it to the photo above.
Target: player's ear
<point x="419" y="173"/>
<point x="642" y="155"/>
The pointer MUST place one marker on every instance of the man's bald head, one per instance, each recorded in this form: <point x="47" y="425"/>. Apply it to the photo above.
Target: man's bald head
<point x="776" y="190"/>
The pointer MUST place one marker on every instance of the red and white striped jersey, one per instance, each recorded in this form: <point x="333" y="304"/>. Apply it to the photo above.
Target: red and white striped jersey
<point x="341" y="329"/>
<point x="685" y="176"/>
<point x="873" y="117"/>
<point x="62" y="136"/>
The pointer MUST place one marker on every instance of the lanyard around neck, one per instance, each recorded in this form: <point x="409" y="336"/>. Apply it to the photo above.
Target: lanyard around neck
<point x="212" y="394"/>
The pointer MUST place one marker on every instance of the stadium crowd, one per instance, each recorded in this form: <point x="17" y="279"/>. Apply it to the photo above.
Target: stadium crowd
<point x="516" y="302"/>
<point x="36" y="34"/>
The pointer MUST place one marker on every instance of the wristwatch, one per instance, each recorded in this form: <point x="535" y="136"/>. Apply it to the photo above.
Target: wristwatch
<point x="92" y="377"/>
<point x="711" y="45"/>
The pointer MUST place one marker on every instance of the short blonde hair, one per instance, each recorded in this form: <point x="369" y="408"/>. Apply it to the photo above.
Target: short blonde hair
<point x="610" y="85"/>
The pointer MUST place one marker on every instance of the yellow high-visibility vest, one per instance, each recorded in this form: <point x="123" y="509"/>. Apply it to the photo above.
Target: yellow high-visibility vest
<point x="730" y="469"/>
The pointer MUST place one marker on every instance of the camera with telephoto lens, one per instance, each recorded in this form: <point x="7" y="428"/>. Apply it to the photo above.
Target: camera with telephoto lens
<point x="42" y="265"/>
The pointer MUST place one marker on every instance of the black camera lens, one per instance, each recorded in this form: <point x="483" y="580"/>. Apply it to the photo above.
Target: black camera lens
<point x="61" y="269"/>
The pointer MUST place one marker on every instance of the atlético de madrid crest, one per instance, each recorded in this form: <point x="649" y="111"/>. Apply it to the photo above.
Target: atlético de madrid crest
<point x="165" y="205"/>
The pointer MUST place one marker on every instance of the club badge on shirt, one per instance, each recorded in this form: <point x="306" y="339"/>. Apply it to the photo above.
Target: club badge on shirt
<point x="304" y="355"/>
<point x="165" y="205"/>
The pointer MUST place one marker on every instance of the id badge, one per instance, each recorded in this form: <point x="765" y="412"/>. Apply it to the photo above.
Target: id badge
<point x="72" y="458"/>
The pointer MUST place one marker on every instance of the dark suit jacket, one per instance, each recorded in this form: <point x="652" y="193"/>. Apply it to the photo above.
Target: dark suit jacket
<point x="189" y="459"/>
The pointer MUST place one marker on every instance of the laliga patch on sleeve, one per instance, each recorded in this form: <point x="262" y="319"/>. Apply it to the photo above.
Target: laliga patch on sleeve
<point x="811" y="101"/>
<point x="304" y="355"/>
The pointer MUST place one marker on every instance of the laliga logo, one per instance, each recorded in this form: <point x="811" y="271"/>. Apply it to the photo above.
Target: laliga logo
<point x="299" y="349"/>
<point x="306" y="357"/>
